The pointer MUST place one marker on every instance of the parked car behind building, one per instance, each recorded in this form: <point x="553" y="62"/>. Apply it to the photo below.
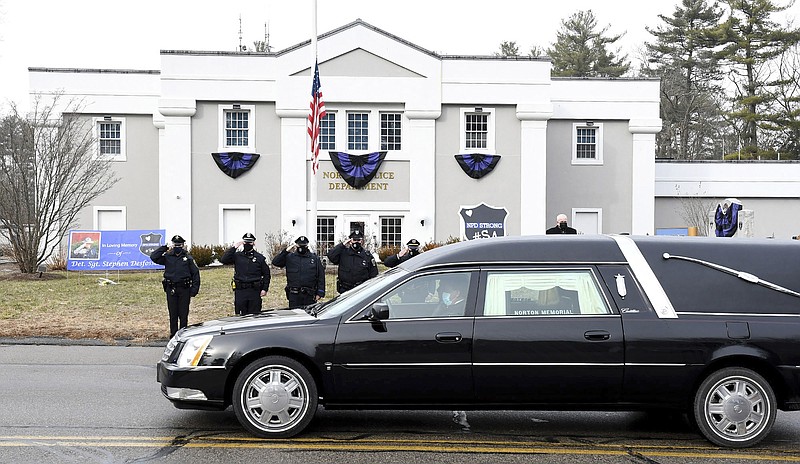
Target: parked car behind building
<point x="706" y="326"/>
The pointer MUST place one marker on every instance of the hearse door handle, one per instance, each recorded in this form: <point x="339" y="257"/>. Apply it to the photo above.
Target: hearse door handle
<point x="595" y="335"/>
<point x="448" y="337"/>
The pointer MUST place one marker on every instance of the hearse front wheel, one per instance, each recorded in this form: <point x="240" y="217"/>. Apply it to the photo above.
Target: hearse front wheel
<point x="735" y="407"/>
<point x="275" y="397"/>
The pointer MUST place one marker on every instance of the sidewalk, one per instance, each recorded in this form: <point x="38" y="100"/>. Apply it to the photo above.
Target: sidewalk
<point x="79" y="342"/>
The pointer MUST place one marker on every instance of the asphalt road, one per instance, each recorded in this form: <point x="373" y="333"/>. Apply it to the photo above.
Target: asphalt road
<point x="101" y="404"/>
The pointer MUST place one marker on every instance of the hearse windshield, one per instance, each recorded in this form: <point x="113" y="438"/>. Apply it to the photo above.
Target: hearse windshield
<point x="357" y="296"/>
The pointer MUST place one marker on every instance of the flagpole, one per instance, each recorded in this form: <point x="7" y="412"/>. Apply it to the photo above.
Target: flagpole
<point x="311" y="221"/>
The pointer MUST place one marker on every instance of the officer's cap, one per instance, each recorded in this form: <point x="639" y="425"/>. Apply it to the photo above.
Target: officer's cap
<point x="413" y="243"/>
<point x="301" y="240"/>
<point x="177" y="239"/>
<point x="248" y="237"/>
<point x="357" y="235"/>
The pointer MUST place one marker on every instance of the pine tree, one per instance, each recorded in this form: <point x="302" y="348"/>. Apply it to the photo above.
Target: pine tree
<point x="750" y="40"/>
<point x="683" y="56"/>
<point x="582" y="51"/>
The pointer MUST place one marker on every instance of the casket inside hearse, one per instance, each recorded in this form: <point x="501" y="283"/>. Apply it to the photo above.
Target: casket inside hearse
<point x="706" y="326"/>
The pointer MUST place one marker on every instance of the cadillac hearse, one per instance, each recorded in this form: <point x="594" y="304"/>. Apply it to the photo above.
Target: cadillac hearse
<point x="705" y="326"/>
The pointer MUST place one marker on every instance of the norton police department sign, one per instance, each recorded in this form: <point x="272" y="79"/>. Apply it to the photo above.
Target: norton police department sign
<point x="391" y="183"/>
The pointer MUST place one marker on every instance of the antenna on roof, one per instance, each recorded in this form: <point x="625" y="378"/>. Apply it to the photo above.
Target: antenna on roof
<point x="267" y="48"/>
<point x="242" y="48"/>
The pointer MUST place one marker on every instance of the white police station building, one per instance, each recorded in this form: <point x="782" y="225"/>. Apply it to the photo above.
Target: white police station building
<point x="537" y="146"/>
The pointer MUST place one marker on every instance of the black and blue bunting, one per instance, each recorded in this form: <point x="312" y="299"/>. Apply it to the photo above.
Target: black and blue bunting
<point x="726" y="219"/>
<point x="357" y="170"/>
<point x="235" y="163"/>
<point x="477" y="165"/>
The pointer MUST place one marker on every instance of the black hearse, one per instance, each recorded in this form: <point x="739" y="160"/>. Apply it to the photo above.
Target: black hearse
<point x="708" y="326"/>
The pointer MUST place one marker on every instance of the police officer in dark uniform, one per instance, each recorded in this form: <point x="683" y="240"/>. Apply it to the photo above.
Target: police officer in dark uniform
<point x="181" y="280"/>
<point x="250" y="275"/>
<point x="411" y="249"/>
<point x="305" y="274"/>
<point x="355" y="263"/>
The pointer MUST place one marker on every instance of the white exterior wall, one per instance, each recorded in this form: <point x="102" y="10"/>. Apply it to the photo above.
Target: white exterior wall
<point x="426" y="83"/>
<point x="770" y="189"/>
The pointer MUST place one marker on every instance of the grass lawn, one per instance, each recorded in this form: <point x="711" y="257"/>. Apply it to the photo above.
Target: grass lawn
<point x="78" y="305"/>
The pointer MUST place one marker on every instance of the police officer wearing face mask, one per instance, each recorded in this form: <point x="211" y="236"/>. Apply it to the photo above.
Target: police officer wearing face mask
<point x="411" y="249"/>
<point x="561" y="226"/>
<point x="250" y="275"/>
<point x="305" y="275"/>
<point x="181" y="280"/>
<point x="356" y="264"/>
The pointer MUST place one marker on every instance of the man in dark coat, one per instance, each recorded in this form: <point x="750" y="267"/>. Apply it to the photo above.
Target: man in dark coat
<point x="561" y="226"/>
<point x="305" y="275"/>
<point x="181" y="280"/>
<point x="411" y="249"/>
<point x="356" y="264"/>
<point x="250" y="275"/>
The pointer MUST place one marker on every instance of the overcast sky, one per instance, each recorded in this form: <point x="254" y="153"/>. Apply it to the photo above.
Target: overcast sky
<point x="129" y="35"/>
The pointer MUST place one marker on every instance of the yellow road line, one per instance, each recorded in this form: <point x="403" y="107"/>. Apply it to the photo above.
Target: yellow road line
<point x="438" y="446"/>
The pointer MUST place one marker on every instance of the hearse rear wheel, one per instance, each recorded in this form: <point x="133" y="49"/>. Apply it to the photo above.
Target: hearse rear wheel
<point x="735" y="407"/>
<point x="275" y="397"/>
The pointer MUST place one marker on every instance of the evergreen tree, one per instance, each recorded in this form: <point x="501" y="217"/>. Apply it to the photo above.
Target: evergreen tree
<point x="683" y="57"/>
<point x="582" y="51"/>
<point x="750" y="40"/>
<point x="508" y="48"/>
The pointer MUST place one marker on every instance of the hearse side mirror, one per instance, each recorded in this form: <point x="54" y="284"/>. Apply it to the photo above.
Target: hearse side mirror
<point x="378" y="312"/>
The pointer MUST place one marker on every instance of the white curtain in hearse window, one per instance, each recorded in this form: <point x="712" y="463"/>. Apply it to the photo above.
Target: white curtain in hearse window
<point x="542" y="293"/>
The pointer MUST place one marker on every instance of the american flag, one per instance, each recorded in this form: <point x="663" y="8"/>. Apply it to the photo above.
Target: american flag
<point x="317" y="113"/>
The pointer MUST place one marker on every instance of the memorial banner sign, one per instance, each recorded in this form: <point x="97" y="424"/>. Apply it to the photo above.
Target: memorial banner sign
<point x="122" y="250"/>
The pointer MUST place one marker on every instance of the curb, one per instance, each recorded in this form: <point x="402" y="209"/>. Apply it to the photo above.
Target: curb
<point x="59" y="341"/>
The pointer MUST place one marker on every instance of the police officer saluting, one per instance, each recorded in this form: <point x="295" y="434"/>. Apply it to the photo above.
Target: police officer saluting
<point x="411" y="250"/>
<point x="250" y="275"/>
<point x="355" y="263"/>
<point x="305" y="275"/>
<point x="181" y="280"/>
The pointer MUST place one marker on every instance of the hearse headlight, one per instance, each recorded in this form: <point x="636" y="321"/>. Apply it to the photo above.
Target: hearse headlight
<point x="173" y="342"/>
<point x="193" y="350"/>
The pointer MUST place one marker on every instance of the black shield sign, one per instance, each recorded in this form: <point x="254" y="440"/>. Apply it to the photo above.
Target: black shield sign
<point x="149" y="242"/>
<point x="483" y="221"/>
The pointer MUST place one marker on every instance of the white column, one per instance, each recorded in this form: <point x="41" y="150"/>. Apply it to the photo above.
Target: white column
<point x="420" y="141"/>
<point x="643" y="181"/>
<point x="294" y="173"/>
<point x="533" y="166"/>
<point x="175" y="167"/>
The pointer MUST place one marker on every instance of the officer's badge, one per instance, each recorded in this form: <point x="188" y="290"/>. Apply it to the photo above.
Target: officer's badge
<point x="149" y="242"/>
<point x="185" y="258"/>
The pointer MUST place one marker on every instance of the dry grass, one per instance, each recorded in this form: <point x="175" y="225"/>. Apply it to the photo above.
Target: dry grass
<point x="75" y="305"/>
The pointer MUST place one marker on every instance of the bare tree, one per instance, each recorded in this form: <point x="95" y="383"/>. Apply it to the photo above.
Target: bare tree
<point x="695" y="210"/>
<point x="50" y="170"/>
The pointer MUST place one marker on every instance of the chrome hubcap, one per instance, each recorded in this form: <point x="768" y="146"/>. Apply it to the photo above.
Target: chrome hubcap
<point x="275" y="398"/>
<point x="737" y="408"/>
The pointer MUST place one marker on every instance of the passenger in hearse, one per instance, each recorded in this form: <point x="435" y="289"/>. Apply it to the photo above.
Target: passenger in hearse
<point x="452" y="297"/>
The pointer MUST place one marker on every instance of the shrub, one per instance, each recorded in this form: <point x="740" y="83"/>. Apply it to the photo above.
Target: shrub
<point x="57" y="261"/>
<point x="432" y="245"/>
<point x="385" y="251"/>
<point x="217" y="251"/>
<point x="203" y="254"/>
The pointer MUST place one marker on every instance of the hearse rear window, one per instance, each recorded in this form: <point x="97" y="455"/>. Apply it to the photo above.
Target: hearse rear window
<point x="543" y="293"/>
